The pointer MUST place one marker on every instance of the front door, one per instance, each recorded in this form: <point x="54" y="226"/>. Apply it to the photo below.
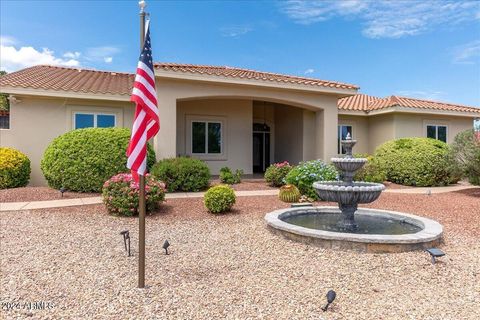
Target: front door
<point x="261" y="147"/>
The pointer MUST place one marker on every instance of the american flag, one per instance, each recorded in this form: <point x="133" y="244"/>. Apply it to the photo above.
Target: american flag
<point x="146" y="123"/>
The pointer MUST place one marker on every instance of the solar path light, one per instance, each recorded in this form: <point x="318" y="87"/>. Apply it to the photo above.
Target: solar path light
<point x="62" y="190"/>
<point x="435" y="253"/>
<point x="330" y="297"/>
<point x="165" y="246"/>
<point x="126" y="236"/>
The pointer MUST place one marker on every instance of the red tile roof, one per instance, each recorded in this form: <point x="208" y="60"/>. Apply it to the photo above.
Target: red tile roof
<point x="238" y="73"/>
<point x="363" y="102"/>
<point x="70" y="79"/>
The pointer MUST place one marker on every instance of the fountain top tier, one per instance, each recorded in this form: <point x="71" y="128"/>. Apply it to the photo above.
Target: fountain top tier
<point x="348" y="165"/>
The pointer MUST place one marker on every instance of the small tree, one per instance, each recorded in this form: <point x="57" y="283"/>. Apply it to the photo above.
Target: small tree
<point x="466" y="152"/>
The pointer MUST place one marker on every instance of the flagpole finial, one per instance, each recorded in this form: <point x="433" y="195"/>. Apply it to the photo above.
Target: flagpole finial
<point x="142" y="4"/>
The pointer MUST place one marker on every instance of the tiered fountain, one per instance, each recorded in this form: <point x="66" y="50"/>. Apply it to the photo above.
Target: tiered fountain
<point x="348" y="227"/>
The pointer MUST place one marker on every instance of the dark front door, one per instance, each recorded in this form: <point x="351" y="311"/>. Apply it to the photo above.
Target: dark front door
<point x="261" y="147"/>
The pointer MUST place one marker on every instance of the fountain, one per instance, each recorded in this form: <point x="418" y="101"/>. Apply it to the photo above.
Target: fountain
<point x="348" y="227"/>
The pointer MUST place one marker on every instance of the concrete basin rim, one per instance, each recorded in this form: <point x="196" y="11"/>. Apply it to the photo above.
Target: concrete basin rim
<point x="432" y="230"/>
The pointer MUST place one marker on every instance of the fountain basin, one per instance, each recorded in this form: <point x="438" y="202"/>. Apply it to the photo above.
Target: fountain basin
<point x="424" y="233"/>
<point x="341" y="192"/>
<point x="348" y="164"/>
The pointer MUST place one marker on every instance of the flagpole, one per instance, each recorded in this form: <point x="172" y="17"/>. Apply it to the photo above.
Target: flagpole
<point x="141" y="202"/>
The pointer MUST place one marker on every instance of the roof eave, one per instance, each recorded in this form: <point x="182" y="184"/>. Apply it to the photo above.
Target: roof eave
<point x="425" y="111"/>
<point x="252" y="82"/>
<point x="63" y="94"/>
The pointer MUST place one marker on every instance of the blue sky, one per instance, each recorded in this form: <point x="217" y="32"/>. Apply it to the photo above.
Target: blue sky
<point x="424" y="49"/>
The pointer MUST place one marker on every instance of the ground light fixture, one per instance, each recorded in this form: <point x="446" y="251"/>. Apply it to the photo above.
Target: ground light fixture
<point x="435" y="253"/>
<point x="165" y="246"/>
<point x="126" y="236"/>
<point x="331" y="295"/>
<point x="62" y="190"/>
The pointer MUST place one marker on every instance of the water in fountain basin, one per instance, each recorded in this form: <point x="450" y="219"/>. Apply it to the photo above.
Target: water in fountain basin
<point x="366" y="224"/>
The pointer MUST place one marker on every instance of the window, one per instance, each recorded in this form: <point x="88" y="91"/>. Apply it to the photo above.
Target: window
<point x="437" y="132"/>
<point x="4" y="119"/>
<point x="94" y="120"/>
<point x="342" y="134"/>
<point x="206" y="137"/>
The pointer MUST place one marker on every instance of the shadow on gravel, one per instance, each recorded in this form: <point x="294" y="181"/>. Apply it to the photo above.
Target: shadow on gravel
<point x="474" y="192"/>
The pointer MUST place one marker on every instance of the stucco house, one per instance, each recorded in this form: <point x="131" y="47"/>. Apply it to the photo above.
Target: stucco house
<point x="226" y="116"/>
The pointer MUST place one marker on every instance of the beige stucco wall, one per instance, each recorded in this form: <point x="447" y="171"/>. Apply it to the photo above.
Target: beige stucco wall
<point x="381" y="128"/>
<point x="414" y="125"/>
<point x="171" y="91"/>
<point x="360" y="131"/>
<point x="236" y="118"/>
<point x="35" y="122"/>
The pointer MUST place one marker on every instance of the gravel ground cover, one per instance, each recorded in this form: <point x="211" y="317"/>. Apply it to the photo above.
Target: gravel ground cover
<point x="39" y="194"/>
<point x="231" y="267"/>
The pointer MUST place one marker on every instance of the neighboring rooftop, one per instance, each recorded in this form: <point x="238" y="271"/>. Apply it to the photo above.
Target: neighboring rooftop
<point x="238" y="73"/>
<point x="367" y="103"/>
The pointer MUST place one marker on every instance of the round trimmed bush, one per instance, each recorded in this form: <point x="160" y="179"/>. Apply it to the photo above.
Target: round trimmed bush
<point x="422" y="162"/>
<point x="370" y="172"/>
<point x="219" y="199"/>
<point x="121" y="194"/>
<point x="14" y="168"/>
<point x="466" y="153"/>
<point x="276" y="173"/>
<point x="182" y="174"/>
<point x="306" y="173"/>
<point x="83" y="159"/>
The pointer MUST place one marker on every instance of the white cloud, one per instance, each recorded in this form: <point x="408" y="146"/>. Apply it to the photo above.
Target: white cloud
<point x="308" y="71"/>
<point x="468" y="53"/>
<point x="422" y="94"/>
<point x="13" y="59"/>
<point x="72" y="55"/>
<point x="386" y="19"/>
<point x="7" y="41"/>
<point x="235" y="31"/>
<point x="97" y="54"/>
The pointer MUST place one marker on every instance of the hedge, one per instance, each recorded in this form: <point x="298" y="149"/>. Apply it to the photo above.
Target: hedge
<point x="14" y="168"/>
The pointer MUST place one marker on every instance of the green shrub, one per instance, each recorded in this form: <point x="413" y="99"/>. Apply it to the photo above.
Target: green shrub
<point x="465" y="151"/>
<point x="14" y="168"/>
<point x="289" y="193"/>
<point x="371" y="171"/>
<point x="219" y="199"/>
<point x="228" y="177"/>
<point x="422" y="162"/>
<point x="276" y="173"/>
<point x="82" y="160"/>
<point x="182" y="174"/>
<point x="306" y="173"/>
<point x="121" y="194"/>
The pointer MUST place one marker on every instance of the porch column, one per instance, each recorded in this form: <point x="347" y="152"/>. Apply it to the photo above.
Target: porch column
<point x="165" y="143"/>
<point x="326" y="133"/>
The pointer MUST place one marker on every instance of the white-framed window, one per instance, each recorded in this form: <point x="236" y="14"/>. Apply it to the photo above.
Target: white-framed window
<point x="343" y="130"/>
<point x="206" y="137"/>
<point x="436" y="131"/>
<point x="93" y="120"/>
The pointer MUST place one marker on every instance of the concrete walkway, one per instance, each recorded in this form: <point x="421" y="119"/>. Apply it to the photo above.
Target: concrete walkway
<point x="14" y="206"/>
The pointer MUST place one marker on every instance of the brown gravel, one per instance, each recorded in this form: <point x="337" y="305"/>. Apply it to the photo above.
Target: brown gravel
<point x="39" y="194"/>
<point x="230" y="266"/>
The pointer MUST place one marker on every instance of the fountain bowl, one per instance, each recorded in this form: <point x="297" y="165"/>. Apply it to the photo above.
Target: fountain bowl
<point x="341" y="192"/>
<point x="429" y="232"/>
<point x="348" y="164"/>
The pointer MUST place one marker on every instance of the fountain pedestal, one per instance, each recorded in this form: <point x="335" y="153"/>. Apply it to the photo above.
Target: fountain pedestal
<point x="348" y="193"/>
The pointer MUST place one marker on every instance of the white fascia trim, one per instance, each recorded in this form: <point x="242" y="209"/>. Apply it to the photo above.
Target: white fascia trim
<point x="64" y="94"/>
<point x="410" y="110"/>
<point x="252" y="82"/>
